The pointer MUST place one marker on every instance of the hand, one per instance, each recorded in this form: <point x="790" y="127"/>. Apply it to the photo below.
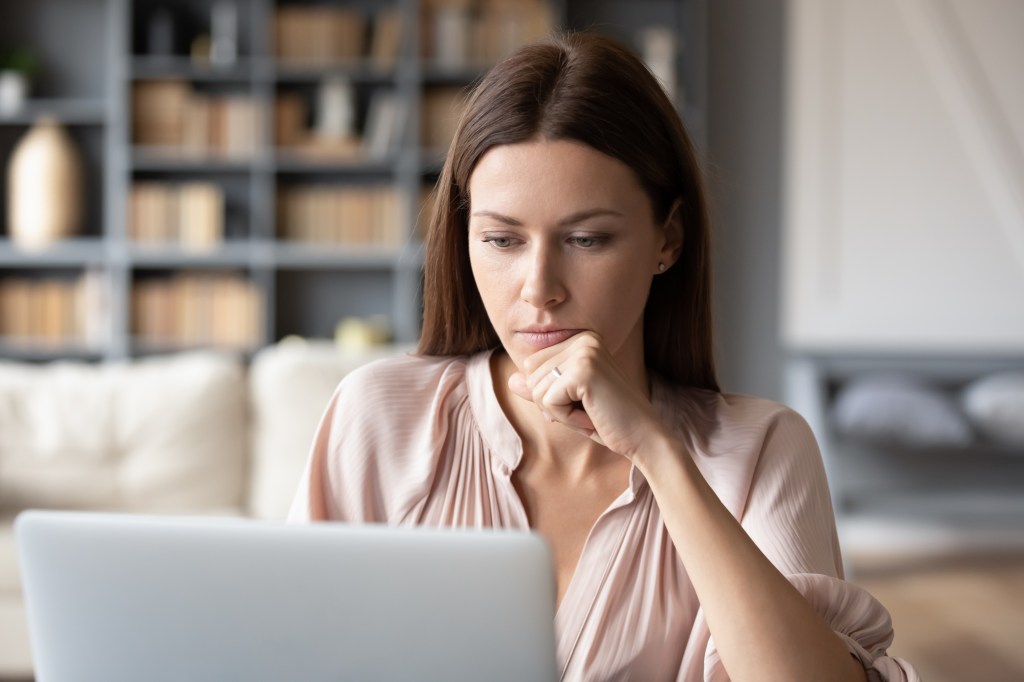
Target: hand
<point x="593" y="396"/>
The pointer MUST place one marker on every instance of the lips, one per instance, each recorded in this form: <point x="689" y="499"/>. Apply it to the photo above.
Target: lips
<point x="547" y="337"/>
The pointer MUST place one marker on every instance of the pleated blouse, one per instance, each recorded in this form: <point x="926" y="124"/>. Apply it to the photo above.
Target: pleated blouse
<point x="415" y="441"/>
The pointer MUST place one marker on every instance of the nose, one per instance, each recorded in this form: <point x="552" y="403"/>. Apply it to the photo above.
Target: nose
<point x="542" y="280"/>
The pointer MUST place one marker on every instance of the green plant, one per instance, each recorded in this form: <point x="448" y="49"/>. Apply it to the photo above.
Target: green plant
<point x="20" y="60"/>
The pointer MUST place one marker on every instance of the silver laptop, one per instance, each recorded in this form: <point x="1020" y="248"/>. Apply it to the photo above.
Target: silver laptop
<point x="121" y="598"/>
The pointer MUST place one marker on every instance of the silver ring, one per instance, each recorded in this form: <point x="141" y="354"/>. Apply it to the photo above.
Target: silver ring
<point x="556" y="372"/>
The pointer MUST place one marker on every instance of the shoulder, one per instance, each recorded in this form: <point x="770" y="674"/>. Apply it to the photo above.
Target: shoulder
<point x="415" y="369"/>
<point x="764" y="419"/>
<point x="408" y="381"/>
<point x="383" y="434"/>
<point x="727" y="422"/>
<point x="391" y="402"/>
<point x="738" y="441"/>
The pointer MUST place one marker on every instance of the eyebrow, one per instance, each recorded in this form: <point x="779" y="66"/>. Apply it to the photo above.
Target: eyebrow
<point x="572" y="219"/>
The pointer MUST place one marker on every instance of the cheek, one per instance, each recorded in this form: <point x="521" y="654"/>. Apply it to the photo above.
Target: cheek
<point x="627" y="301"/>
<point x="620" y="294"/>
<point x="492" y="279"/>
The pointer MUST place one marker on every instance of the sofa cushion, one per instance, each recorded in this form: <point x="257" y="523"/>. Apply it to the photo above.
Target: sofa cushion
<point x="900" y="411"/>
<point x="995" y="405"/>
<point x="160" y="434"/>
<point x="291" y="384"/>
<point x="15" y="652"/>
<point x="10" y="582"/>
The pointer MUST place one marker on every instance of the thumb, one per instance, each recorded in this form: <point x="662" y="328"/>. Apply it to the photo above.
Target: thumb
<point x="517" y="384"/>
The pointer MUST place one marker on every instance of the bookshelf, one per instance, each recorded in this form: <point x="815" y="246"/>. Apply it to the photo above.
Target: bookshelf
<point x="271" y="176"/>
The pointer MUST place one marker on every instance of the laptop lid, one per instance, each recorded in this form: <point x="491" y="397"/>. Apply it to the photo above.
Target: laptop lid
<point x="120" y="597"/>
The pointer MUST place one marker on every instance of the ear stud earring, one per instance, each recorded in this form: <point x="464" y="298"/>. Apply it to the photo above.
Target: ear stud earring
<point x="661" y="267"/>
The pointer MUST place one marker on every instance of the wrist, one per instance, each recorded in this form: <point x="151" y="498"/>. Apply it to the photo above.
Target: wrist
<point x="661" y="448"/>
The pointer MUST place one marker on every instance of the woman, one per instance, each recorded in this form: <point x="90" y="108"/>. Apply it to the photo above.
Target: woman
<point x="565" y="383"/>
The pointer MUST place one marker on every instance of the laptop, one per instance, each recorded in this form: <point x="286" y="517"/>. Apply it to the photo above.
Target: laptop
<point x="118" y="598"/>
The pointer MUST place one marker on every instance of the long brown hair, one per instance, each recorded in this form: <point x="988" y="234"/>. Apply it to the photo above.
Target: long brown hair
<point x="590" y="89"/>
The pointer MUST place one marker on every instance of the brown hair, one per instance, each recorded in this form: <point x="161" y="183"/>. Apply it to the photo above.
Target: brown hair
<point x="590" y="89"/>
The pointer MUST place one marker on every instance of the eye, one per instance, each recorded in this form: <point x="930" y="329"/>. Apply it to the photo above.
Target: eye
<point x="498" y="242"/>
<point x="587" y="242"/>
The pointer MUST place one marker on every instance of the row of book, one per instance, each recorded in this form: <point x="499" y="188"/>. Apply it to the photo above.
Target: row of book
<point x="345" y="215"/>
<point x="385" y="117"/>
<point x="198" y="309"/>
<point x="54" y="311"/>
<point x="190" y="214"/>
<point x="170" y="114"/>
<point x="458" y="34"/>
<point x="312" y="34"/>
<point x="441" y="109"/>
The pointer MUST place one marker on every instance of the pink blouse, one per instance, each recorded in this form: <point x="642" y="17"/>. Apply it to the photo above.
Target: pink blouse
<point x="423" y="441"/>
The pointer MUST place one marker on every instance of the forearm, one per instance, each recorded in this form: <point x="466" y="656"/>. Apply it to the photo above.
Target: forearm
<point x="763" y="628"/>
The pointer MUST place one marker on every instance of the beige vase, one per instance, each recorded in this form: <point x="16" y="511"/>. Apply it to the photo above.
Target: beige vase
<point x="44" y="187"/>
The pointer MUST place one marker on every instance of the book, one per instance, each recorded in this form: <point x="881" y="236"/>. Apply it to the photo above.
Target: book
<point x="350" y="216"/>
<point x="169" y="115"/>
<point x="51" y="311"/>
<point x="92" y="309"/>
<point x="158" y="112"/>
<point x="464" y="33"/>
<point x="201" y="216"/>
<point x="196" y="126"/>
<point x="505" y="25"/>
<point x="290" y="115"/>
<point x="386" y="39"/>
<point x="287" y="31"/>
<point x="384" y="120"/>
<point x="190" y="309"/>
<point x="441" y="109"/>
<point x="191" y="214"/>
<point x="318" y="34"/>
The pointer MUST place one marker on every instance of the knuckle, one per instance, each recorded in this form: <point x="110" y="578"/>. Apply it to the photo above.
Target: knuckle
<point x="585" y="339"/>
<point x="589" y="358"/>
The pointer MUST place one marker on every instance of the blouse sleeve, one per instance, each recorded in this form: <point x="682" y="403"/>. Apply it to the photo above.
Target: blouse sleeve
<point x="789" y="516"/>
<point x="375" y="449"/>
<point x="859" y="620"/>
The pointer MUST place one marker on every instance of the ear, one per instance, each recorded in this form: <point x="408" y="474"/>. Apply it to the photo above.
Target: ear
<point x="672" y="235"/>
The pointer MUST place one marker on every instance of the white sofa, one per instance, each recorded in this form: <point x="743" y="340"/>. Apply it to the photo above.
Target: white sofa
<point x="195" y="433"/>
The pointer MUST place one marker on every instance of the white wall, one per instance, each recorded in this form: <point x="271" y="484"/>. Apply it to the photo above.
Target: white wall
<point x="904" y="199"/>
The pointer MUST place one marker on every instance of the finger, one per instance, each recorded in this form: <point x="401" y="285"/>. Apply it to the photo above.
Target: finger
<point x="519" y="384"/>
<point x="592" y="434"/>
<point x="545" y="373"/>
<point x="556" y="396"/>
<point x="578" y="419"/>
<point x="542" y="381"/>
<point x="542" y="358"/>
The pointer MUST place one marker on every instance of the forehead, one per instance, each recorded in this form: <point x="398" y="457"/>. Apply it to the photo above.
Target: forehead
<point x="557" y="176"/>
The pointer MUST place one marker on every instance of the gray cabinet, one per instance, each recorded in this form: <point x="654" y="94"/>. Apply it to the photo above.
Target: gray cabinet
<point x="256" y="275"/>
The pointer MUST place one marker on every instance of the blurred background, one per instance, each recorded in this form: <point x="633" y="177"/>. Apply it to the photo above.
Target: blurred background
<point x="211" y="210"/>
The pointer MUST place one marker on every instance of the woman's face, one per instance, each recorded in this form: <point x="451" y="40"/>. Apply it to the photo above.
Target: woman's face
<point x="562" y="238"/>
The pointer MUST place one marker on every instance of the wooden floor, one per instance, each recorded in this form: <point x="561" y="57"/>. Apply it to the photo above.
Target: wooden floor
<point x="955" y="619"/>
